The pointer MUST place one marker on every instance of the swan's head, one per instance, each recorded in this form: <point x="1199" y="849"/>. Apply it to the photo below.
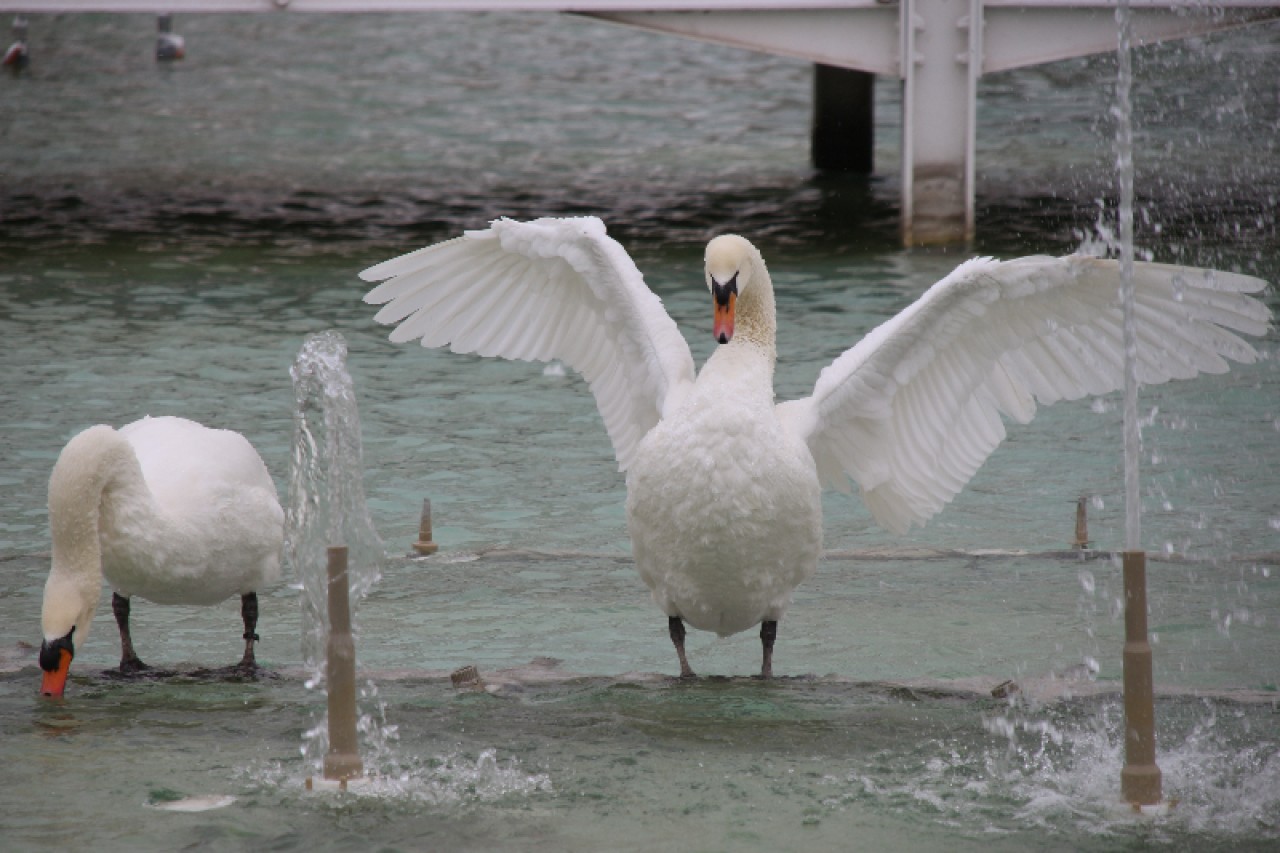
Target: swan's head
<point x="68" y="609"/>
<point x="75" y="578"/>
<point x="732" y="264"/>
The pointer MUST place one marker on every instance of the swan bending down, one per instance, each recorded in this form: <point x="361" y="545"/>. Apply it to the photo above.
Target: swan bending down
<point x="724" y="486"/>
<point x="166" y="509"/>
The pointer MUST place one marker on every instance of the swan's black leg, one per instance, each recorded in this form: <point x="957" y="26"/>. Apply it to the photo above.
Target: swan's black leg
<point x="768" y="633"/>
<point x="676" y="628"/>
<point x="249" y="613"/>
<point x="128" y="657"/>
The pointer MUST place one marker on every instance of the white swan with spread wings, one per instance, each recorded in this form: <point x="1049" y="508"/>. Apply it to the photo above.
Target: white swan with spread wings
<point x="723" y="485"/>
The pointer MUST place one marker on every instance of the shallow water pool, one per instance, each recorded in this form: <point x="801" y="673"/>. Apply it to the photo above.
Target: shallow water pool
<point x="171" y="236"/>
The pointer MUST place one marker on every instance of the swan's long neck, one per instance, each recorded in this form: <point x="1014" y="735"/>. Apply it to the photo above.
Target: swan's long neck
<point x="756" y="324"/>
<point x="96" y="473"/>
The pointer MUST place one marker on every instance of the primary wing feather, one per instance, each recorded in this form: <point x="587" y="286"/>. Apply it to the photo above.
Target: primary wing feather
<point x="914" y="409"/>
<point x="543" y="290"/>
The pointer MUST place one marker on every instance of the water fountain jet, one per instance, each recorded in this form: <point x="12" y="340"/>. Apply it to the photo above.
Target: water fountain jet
<point x="1140" y="779"/>
<point x="333" y="545"/>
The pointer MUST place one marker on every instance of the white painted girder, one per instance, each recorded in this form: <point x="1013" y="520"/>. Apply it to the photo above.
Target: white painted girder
<point x="864" y="38"/>
<point x="1036" y="33"/>
<point x="860" y="34"/>
<point x="1015" y="33"/>
<point x="357" y="6"/>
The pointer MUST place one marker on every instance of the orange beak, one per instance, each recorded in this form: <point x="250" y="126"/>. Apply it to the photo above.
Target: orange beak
<point x="55" y="682"/>
<point x="722" y="328"/>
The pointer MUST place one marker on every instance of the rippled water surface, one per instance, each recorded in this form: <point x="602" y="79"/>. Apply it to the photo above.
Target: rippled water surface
<point x="169" y="236"/>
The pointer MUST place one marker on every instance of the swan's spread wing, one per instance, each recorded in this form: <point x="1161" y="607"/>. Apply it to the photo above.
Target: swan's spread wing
<point x="913" y="410"/>
<point x="542" y="290"/>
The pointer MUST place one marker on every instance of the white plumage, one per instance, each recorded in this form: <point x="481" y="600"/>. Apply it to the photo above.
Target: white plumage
<point x="723" y="486"/>
<point x="164" y="509"/>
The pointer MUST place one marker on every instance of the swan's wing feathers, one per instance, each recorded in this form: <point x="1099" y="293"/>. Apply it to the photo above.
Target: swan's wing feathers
<point x="913" y="410"/>
<point x="543" y="290"/>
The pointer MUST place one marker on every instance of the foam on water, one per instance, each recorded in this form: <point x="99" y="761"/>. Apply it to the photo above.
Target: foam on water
<point x="1056" y="768"/>
<point x="451" y="779"/>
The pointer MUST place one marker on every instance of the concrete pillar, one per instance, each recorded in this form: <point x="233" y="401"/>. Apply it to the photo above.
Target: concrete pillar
<point x="942" y="60"/>
<point x="842" y="138"/>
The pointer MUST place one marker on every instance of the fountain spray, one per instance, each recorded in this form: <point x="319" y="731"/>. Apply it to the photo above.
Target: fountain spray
<point x="332" y="544"/>
<point x="1140" y="780"/>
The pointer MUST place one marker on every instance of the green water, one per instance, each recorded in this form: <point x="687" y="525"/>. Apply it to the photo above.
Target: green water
<point x="169" y="237"/>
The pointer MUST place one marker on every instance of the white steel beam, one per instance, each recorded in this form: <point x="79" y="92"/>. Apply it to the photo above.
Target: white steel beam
<point x="1031" y="33"/>
<point x="604" y="6"/>
<point x="1179" y="7"/>
<point x="863" y="37"/>
<point x="352" y="6"/>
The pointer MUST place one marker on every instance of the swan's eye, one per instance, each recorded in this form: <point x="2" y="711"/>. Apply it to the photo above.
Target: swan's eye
<point x="51" y="653"/>
<point x="721" y="292"/>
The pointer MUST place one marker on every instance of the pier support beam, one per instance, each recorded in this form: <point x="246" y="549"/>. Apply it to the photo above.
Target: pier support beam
<point x="941" y="63"/>
<point x="939" y="49"/>
<point x="842" y="138"/>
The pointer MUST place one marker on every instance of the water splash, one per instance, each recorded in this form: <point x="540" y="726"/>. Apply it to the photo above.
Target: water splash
<point x="326" y="500"/>
<point x="453" y="779"/>
<point x="1224" y="785"/>
<point x="456" y="778"/>
<point x="326" y="488"/>
<point x="1053" y="768"/>
<point x="1123" y="111"/>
